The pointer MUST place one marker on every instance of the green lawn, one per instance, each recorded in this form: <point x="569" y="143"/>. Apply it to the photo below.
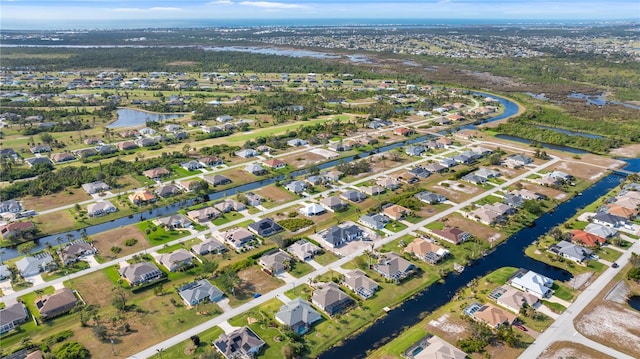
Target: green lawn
<point x="159" y="235"/>
<point x="562" y="291"/>
<point x="555" y="307"/>
<point x="300" y="269"/>
<point x="226" y="218"/>
<point x="206" y="338"/>
<point x="501" y="275"/>
<point x="395" y="226"/>
<point x="326" y="258"/>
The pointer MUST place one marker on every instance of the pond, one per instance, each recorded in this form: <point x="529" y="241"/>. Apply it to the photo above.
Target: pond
<point x="569" y="132"/>
<point x="128" y="117"/>
<point x="634" y="302"/>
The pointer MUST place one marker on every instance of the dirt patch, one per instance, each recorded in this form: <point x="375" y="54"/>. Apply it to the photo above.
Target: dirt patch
<point x="580" y="170"/>
<point x="95" y="288"/>
<point x="182" y="63"/>
<point x="255" y="280"/>
<point x="571" y="350"/>
<point x="456" y="191"/>
<point x="55" y="200"/>
<point x="477" y="229"/>
<point x="56" y="222"/>
<point x="305" y="159"/>
<point x="116" y="237"/>
<point x="612" y="325"/>
<point x="630" y="151"/>
<point x="547" y="191"/>
<point x="239" y="176"/>
<point x="276" y="194"/>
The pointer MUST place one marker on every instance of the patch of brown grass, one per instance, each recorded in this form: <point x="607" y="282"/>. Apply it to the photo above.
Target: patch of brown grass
<point x="477" y="229"/>
<point x="41" y="203"/>
<point x="55" y="222"/>
<point x="569" y="349"/>
<point x="303" y="159"/>
<point x="276" y="194"/>
<point x="116" y="237"/>
<point x="255" y="280"/>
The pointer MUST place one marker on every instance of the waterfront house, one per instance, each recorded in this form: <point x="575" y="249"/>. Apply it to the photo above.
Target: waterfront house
<point x="33" y="265"/>
<point x="296" y="187"/>
<point x="493" y="316"/>
<point x="228" y="205"/>
<point x="426" y="250"/>
<point x="255" y="169"/>
<point x="167" y="190"/>
<point x="453" y="235"/>
<point x="532" y="282"/>
<point x="174" y="221"/>
<point x="586" y="239"/>
<point x="600" y="230"/>
<point x="274" y="163"/>
<point x="393" y="267"/>
<point x="331" y="299"/>
<point x="75" y="251"/>
<point x="514" y="299"/>
<point x="610" y="220"/>
<point x="433" y="347"/>
<point x="571" y="251"/>
<point x="142" y="197"/>
<point x="203" y="215"/>
<point x="359" y="283"/>
<point x="101" y="208"/>
<point x="216" y="180"/>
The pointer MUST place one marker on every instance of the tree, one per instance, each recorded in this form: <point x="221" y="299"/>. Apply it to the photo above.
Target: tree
<point x="209" y="267"/>
<point x="26" y="248"/>
<point x="71" y="350"/>
<point x="119" y="298"/>
<point x="100" y="331"/>
<point x="229" y="279"/>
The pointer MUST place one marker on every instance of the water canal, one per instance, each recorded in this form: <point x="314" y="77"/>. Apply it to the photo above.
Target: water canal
<point x="510" y="253"/>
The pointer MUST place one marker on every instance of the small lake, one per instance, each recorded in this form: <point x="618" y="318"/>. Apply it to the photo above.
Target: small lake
<point x="634" y="302"/>
<point x="274" y="51"/>
<point x="128" y="117"/>
<point x="570" y="133"/>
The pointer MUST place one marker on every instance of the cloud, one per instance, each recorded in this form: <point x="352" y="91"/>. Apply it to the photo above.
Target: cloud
<point x="272" y="5"/>
<point x="221" y="2"/>
<point x="151" y="9"/>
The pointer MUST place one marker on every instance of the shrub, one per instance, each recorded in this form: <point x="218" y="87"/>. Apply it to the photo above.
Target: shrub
<point x="130" y="242"/>
<point x="116" y="249"/>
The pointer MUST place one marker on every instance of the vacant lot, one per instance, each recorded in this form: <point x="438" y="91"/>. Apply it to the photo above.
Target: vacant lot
<point x="547" y="191"/>
<point x="275" y="194"/>
<point x="55" y="200"/>
<point x="479" y="230"/>
<point x="255" y="280"/>
<point x="580" y="170"/>
<point x="612" y="325"/>
<point x="55" y="222"/>
<point x="303" y="159"/>
<point x="116" y="238"/>
<point x="571" y="350"/>
<point x="457" y="191"/>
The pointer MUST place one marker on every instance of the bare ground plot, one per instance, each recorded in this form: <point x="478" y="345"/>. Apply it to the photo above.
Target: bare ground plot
<point x="429" y="210"/>
<point x="612" y="325"/>
<point x="547" y="191"/>
<point x="239" y="176"/>
<point x="457" y="191"/>
<point x="479" y="230"/>
<point x="255" y="280"/>
<point x="127" y="182"/>
<point x="116" y="237"/>
<point x="276" y="194"/>
<point x="631" y="151"/>
<point x="580" y="170"/>
<point x="303" y="159"/>
<point x="42" y="203"/>
<point x="571" y="350"/>
<point x="56" y="222"/>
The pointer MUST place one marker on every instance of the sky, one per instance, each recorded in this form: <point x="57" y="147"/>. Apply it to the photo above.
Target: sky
<point x="75" y="14"/>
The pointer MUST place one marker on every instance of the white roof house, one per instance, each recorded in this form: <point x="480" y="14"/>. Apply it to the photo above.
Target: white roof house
<point x="534" y="283"/>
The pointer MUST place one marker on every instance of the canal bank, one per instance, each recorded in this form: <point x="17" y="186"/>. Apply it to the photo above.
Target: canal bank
<point x="509" y="254"/>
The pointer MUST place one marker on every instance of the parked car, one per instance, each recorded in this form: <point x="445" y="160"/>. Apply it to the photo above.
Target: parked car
<point x="521" y="327"/>
<point x="614" y="265"/>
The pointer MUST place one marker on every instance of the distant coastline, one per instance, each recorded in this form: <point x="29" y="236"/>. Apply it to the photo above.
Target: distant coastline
<point x="332" y="22"/>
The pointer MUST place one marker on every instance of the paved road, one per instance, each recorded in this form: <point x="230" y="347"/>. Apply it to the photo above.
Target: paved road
<point x="563" y="329"/>
<point x="149" y="352"/>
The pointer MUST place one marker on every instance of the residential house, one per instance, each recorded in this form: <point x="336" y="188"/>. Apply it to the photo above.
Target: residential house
<point x="190" y="185"/>
<point x="16" y="229"/>
<point x="176" y="260"/>
<point x="444" y="141"/>
<point x="528" y="195"/>
<point x="415" y="150"/>
<point x="247" y="153"/>
<point x="224" y="118"/>
<point x="586" y="239"/>
<point x="127" y="145"/>
<point x="191" y="165"/>
<point x="95" y="187"/>
<point x="208" y="246"/>
<point x="167" y="190"/>
<point x="173" y="221"/>
<point x="487" y="215"/>
<point x="339" y="146"/>
<point x="4" y="272"/>
<point x="487" y="173"/>
<point x="402" y="131"/>
<point x="62" y="157"/>
<point x="312" y="209"/>
<point x="353" y="196"/>
<point x="600" y="230"/>
<point x="253" y="199"/>
<point x="237" y="237"/>
<point x="560" y="176"/>
<point x="314" y="180"/>
<point x="430" y="197"/>
<point x="265" y="227"/>
<point x="571" y="251"/>
<point x="472" y="178"/>
<point x="448" y="162"/>
<point x="517" y="160"/>
<point x="228" y="205"/>
<point x="434" y="167"/>
<point x="372" y="190"/>
<point x="12" y="316"/>
<point x="58" y="303"/>
<point x="10" y="206"/>
<point x="434" y="347"/>
<point x="147" y="131"/>
<point x="36" y="161"/>
<point x="419" y="171"/>
<point x="374" y="221"/>
<point x="548" y="181"/>
<point x="532" y="282"/>
<point x="40" y="149"/>
<point x="337" y="236"/>
<point x="333" y="175"/>
<point x="331" y="299"/>
<point x="610" y="220"/>
<point x="513" y="200"/>
<point x="296" y="142"/>
<point x="482" y="151"/>
<point x="199" y="291"/>
<point x="210" y="161"/>
<point x="333" y="203"/>
<point x="216" y="180"/>
<point x="303" y="249"/>
<point x="464" y="159"/>
<point x="616" y="210"/>
<point x="359" y="283"/>
<point x="146" y="142"/>
<point x="9" y="153"/>
<point x="426" y="250"/>
<point x="393" y="267"/>
<point x="297" y="315"/>
<point x="75" y="251"/>
<point x="274" y="163"/>
<point x="203" y="215"/>
<point x="396" y="212"/>
<point x="101" y="208"/>
<point x="140" y="273"/>
<point x="156" y="173"/>
<point x="255" y="169"/>
<point x="493" y="316"/>
<point x="141" y="197"/>
<point x="240" y="343"/>
<point x="275" y="262"/>
<point x="453" y="235"/>
<point x="296" y="186"/>
<point x="33" y="265"/>
<point x="628" y="202"/>
<point x="388" y="183"/>
<point x="514" y="299"/>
